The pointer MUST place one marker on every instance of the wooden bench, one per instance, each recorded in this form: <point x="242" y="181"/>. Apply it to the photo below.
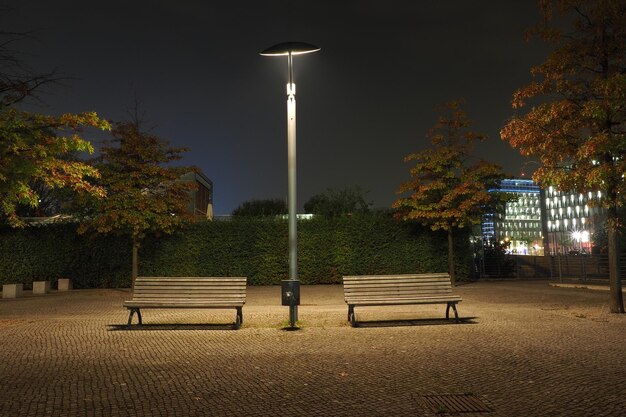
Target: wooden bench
<point x="385" y="290"/>
<point x="187" y="292"/>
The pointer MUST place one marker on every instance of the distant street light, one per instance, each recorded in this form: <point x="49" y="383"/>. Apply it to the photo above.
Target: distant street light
<point x="291" y="287"/>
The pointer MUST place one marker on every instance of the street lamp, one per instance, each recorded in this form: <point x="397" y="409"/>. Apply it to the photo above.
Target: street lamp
<point x="291" y="287"/>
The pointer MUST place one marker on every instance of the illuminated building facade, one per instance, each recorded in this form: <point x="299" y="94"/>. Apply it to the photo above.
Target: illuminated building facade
<point x="571" y="220"/>
<point x="520" y="226"/>
<point x="542" y="222"/>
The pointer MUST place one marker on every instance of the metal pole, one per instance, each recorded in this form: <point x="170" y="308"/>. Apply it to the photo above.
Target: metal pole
<point x="291" y="166"/>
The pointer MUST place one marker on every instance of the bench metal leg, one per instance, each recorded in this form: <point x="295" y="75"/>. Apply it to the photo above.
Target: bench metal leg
<point x="239" y="318"/>
<point x="133" y="310"/>
<point x="351" y="315"/>
<point x="456" y="314"/>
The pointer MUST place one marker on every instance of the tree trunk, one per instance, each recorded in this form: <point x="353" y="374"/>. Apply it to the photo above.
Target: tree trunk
<point x="615" y="281"/>
<point x="616" y="304"/>
<point x="135" y="262"/>
<point x="451" y="257"/>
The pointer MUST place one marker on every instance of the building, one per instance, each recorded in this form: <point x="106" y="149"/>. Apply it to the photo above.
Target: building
<point x="201" y="199"/>
<point x="571" y="221"/>
<point x="542" y="221"/>
<point x="520" y="225"/>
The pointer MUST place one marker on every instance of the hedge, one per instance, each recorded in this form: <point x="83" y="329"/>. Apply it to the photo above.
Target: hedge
<point x="56" y="251"/>
<point x="255" y="248"/>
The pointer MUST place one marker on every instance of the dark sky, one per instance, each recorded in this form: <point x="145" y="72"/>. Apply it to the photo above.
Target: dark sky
<point x="364" y="102"/>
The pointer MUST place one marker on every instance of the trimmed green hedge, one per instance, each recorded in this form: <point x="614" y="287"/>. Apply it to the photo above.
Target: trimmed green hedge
<point x="255" y="248"/>
<point x="56" y="251"/>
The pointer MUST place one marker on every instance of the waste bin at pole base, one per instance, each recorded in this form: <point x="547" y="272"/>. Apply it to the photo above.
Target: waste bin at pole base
<point x="290" y="292"/>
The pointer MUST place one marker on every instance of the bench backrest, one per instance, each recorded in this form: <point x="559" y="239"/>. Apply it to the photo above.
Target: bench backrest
<point x="396" y="286"/>
<point x="190" y="289"/>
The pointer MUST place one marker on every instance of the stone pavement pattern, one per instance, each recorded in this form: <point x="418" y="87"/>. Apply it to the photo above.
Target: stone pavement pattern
<point x="526" y="349"/>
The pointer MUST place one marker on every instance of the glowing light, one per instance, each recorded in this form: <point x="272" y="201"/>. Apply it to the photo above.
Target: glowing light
<point x="293" y="48"/>
<point x="584" y="236"/>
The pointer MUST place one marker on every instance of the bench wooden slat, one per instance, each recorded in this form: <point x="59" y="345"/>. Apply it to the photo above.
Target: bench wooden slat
<point x="381" y="283"/>
<point x="188" y="284"/>
<point x="193" y="279"/>
<point x="181" y="304"/>
<point x="416" y="300"/>
<point x="399" y="302"/>
<point x="402" y="288"/>
<point x="191" y="297"/>
<point x="366" y="296"/>
<point x="395" y="278"/>
<point x="415" y="283"/>
<point x="147" y="288"/>
<point x="383" y="278"/>
<point x="399" y="276"/>
<point x="412" y="281"/>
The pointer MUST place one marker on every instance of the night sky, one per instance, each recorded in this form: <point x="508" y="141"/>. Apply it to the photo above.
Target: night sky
<point x="363" y="103"/>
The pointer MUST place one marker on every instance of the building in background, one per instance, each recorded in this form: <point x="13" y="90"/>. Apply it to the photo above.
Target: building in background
<point x="520" y="225"/>
<point x="201" y="199"/>
<point x="542" y="221"/>
<point x="571" y="220"/>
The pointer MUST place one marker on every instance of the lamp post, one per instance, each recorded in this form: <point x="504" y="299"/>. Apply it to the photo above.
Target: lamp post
<point x="291" y="287"/>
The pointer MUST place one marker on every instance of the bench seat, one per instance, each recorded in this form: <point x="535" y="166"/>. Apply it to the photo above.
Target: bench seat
<point x="405" y="289"/>
<point x="188" y="292"/>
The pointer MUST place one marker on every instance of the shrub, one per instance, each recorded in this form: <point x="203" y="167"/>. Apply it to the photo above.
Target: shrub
<point x="253" y="247"/>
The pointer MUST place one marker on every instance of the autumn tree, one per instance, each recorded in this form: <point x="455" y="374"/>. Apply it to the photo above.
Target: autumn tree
<point x="38" y="153"/>
<point x="35" y="149"/>
<point x="143" y="194"/>
<point x="447" y="190"/>
<point x="572" y="116"/>
<point x="336" y="203"/>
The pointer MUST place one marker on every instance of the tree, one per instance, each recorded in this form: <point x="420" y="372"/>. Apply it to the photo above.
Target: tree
<point x="143" y="194"/>
<point x="38" y="154"/>
<point x="578" y="123"/>
<point x="261" y="208"/>
<point x="37" y="149"/>
<point x="336" y="203"/>
<point x="447" y="192"/>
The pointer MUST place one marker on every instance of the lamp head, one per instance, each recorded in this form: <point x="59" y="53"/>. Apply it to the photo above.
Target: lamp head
<point x="287" y="48"/>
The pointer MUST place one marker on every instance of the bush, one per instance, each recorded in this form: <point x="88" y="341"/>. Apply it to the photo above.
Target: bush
<point x="253" y="247"/>
<point x="328" y="248"/>
<point x="56" y="251"/>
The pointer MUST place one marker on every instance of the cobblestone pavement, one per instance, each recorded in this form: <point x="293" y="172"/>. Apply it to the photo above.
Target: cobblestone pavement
<point x="523" y="349"/>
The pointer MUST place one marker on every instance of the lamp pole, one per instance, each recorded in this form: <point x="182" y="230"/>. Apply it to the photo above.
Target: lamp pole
<point x="291" y="287"/>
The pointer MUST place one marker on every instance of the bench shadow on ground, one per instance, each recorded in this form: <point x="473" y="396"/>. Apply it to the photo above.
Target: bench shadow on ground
<point x="176" y="326"/>
<point x="414" y="322"/>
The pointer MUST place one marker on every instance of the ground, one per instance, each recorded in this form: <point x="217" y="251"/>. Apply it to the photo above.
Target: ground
<point x="523" y="349"/>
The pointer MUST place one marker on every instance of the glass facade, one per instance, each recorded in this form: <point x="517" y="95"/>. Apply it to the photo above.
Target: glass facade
<point x="545" y="221"/>
<point x="519" y="226"/>
<point x="571" y="220"/>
